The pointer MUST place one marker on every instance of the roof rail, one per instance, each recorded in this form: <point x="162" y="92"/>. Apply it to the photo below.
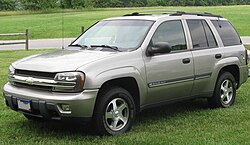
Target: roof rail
<point x="172" y="13"/>
<point x="145" y="12"/>
<point x="136" y="14"/>
<point x="180" y="13"/>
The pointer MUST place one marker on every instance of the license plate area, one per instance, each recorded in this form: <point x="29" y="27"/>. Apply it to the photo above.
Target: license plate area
<point x="23" y="104"/>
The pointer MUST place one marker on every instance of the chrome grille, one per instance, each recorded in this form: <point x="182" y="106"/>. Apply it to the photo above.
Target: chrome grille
<point x="39" y="80"/>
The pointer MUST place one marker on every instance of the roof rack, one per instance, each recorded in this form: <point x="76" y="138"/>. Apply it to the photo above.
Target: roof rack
<point x="136" y="14"/>
<point x="172" y="13"/>
<point x="180" y="13"/>
<point x="145" y="12"/>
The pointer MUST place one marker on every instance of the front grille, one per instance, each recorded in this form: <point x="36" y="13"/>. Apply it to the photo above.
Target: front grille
<point x="35" y="87"/>
<point x="35" y="74"/>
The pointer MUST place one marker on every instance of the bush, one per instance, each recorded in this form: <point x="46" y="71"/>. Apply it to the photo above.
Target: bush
<point x="7" y="4"/>
<point x="38" y="4"/>
<point x="76" y="4"/>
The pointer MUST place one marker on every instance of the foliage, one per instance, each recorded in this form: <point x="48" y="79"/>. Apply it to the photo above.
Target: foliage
<point x="7" y="4"/>
<point x="38" y="4"/>
<point x="78" y="4"/>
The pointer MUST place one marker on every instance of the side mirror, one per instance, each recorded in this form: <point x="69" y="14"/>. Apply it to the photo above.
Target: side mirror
<point x="160" y="48"/>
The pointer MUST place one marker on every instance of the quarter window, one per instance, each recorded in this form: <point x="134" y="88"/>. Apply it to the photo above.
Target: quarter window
<point x="227" y="33"/>
<point x="171" y="32"/>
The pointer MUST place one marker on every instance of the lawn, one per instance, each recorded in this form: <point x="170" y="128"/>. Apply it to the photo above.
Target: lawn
<point x="49" y="25"/>
<point x="190" y="122"/>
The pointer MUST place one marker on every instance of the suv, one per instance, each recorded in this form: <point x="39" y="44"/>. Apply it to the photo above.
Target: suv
<point x="123" y="65"/>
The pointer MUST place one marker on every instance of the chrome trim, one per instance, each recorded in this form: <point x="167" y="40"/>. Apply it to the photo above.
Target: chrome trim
<point x="169" y="82"/>
<point x="41" y="82"/>
<point x="203" y="76"/>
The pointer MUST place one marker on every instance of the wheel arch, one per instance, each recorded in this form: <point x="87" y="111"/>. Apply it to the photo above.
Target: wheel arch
<point x="128" y="83"/>
<point x="234" y="70"/>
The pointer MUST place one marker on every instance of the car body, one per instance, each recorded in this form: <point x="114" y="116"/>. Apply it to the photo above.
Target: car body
<point x="157" y="59"/>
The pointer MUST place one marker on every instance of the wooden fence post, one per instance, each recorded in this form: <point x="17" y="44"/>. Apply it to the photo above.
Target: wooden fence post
<point x="82" y="29"/>
<point x="27" y="39"/>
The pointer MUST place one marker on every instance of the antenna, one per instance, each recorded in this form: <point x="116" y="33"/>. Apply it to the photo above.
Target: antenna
<point x="62" y="12"/>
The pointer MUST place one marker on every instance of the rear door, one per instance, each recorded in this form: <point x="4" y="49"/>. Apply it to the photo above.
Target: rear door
<point x="205" y="53"/>
<point x="170" y="76"/>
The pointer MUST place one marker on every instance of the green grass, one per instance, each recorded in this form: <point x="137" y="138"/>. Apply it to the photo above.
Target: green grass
<point x="190" y="122"/>
<point x="48" y="24"/>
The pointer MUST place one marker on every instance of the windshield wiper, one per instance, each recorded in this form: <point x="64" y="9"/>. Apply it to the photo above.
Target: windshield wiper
<point x="79" y="45"/>
<point x="107" y="46"/>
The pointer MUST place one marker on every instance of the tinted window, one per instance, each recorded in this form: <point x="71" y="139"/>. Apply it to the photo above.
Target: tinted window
<point x="227" y="33"/>
<point x="210" y="37"/>
<point x="171" y="32"/>
<point x="197" y="33"/>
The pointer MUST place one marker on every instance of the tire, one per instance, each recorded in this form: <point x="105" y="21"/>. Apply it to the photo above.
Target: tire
<point x="32" y="118"/>
<point x="224" y="92"/>
<point x="111" y="121"/>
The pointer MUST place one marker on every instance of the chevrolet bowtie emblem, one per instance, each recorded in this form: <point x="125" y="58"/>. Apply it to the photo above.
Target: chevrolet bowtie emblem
<point x="30" y="80"/>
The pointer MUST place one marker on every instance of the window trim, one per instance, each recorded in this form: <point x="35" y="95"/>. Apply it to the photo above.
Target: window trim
<point x="174" y="51"/>
<point x="217" y="20"/>
<point x="211" y="33"/>
<point x="202" y="48"/>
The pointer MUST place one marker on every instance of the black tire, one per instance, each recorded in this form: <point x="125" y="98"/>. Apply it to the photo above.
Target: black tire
<point x="224" y="92"/>
<point x="32" y="118"/>
<point x="105" y="108"/>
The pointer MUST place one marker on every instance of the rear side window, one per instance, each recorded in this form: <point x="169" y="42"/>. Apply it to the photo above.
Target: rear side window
<point x="202" y="36"/>
<point x="210" y="37"/>
<point x="228" y="34"/>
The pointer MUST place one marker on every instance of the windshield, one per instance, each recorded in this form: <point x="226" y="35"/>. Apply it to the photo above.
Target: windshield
<point x="123" y="34"/>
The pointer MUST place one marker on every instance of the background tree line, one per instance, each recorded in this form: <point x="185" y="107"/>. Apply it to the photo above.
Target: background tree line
<point x="77" y="4"/>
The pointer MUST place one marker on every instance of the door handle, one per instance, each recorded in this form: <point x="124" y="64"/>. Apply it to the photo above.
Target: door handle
<point x="217" y="56"/>
<point x="186" y="60"/>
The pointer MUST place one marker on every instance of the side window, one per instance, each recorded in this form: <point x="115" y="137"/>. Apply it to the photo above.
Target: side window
<point x="202" y="36"/>
<point x="209" y="34"/>
<point x="228" y="34"/>
<point x="171" y="32"/>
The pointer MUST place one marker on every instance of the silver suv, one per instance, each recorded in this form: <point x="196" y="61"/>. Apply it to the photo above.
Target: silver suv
<point x="122" y="65"/>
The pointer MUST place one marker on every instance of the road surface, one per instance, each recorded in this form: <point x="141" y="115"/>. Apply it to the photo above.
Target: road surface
<point x="57" y="43"/>
<point x="37" y="44"/>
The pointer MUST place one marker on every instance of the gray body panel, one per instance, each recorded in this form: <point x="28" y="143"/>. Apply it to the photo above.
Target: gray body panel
<point x="160" y="78"/>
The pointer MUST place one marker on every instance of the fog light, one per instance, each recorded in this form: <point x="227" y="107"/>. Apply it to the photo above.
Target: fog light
<point x="65" y="107"/>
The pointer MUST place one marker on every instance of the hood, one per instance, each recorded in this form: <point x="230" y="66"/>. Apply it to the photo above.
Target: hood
<point x="60" y="60"/>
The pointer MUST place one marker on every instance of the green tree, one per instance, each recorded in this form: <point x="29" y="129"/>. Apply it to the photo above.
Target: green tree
<point x="7" y="4"/>
<point x="76" y="4"/>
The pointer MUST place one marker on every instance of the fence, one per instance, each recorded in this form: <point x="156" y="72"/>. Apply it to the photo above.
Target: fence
<point x="26" y="42"/>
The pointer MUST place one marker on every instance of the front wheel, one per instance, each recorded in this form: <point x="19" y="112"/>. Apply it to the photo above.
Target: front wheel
<point x="225" y="91"/>
<point x="114" y="112"/>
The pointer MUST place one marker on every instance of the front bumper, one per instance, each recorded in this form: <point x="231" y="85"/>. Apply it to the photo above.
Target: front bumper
<point x="47" y="104"/>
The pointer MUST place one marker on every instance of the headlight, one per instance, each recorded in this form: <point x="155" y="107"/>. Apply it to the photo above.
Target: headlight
<point x="74" y="81"/>
<point x="11" y="70"/>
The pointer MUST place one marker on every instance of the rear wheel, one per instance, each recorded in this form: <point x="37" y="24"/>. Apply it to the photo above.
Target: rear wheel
<point x="114" y="112"/>
<point x="225" y="91"/>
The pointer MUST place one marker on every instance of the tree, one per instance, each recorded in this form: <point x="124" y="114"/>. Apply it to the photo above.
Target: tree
<point x="7" y="4"/>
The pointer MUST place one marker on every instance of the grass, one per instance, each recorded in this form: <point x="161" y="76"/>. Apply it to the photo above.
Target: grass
<point x="190" y="122"/>
<point x="48" y="24"/>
